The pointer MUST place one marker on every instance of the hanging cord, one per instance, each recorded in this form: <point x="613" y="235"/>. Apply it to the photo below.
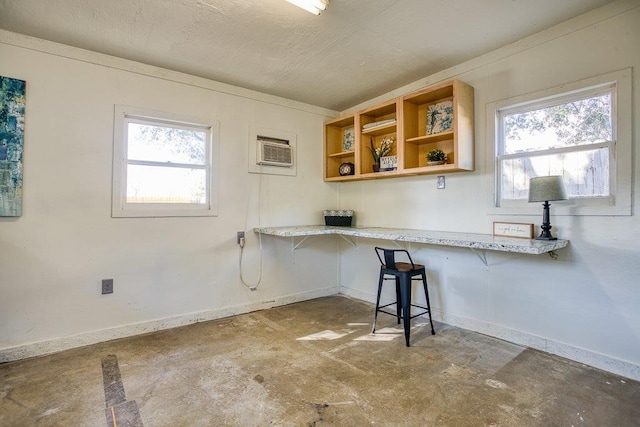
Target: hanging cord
<point x="242" y="240"/>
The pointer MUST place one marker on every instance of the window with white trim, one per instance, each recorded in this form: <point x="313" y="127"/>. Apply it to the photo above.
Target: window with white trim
<point x="162" y="165"/>
<point x="575" y="131"/>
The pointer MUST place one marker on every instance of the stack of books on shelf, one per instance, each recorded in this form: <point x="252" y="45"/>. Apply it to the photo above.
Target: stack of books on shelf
<point x="381" y="123"/>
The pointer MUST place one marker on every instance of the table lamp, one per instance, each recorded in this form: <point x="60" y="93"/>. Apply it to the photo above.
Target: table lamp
<point x="545" y="189"/>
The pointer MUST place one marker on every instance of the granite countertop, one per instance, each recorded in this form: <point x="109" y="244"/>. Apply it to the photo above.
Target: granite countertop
<point x="444" y="238"/>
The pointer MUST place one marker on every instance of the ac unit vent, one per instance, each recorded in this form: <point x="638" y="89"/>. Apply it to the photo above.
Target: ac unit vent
<point x="274" y="152"/>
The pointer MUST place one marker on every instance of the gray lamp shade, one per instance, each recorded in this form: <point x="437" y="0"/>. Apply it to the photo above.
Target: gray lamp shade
<point x="546" y="188"/>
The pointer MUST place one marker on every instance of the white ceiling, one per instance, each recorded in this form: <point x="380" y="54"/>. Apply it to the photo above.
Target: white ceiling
<point x="354" y="51"/>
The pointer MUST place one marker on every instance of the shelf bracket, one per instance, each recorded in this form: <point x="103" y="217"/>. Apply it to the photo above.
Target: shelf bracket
<point x="553" y="254"/>
<point x="405" y="247"/>
<point x="295" y="246"/>
<point x="482" y="254"/>
<point x="348" y="240"/>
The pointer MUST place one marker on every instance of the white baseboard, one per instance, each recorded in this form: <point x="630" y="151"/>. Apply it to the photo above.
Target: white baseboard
<point x="588" y="357"/>
<point x="94" y="337"/>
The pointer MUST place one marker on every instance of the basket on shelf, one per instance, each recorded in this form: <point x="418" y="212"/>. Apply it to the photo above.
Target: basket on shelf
<point x="340" y="218"/>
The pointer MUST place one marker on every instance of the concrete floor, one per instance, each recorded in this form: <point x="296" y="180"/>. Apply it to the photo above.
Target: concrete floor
<point x="255" y="370"/>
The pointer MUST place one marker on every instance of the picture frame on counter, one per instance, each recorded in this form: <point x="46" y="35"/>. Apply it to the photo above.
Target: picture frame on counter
<point x="513" y="229"/>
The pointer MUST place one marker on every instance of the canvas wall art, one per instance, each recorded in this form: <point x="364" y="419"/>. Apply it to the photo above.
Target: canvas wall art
<point x="12" y="100"/>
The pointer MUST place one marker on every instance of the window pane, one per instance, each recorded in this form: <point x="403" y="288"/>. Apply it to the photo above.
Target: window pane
<point x="586" y="173"/>
<point x="578" y="122"/>
<point x="166" y="144"/>
<point x="156" y="184"/>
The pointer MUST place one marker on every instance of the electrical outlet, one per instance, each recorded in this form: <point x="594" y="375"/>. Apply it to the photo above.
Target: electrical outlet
<point x="107" y="286"/>
<point x="240" y="236"/>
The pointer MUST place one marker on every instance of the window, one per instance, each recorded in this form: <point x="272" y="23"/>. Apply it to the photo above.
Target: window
<point x="575" y="131"/>
<point x="162" y="165"/>
<point x="571" y="135"/>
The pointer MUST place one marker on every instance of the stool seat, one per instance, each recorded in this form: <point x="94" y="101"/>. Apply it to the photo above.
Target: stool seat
<point x="403" y="274"/>
<point x="405" y="266"/>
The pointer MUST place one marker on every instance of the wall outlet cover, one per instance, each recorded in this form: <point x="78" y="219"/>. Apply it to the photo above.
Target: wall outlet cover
<point x="107" y="286"/>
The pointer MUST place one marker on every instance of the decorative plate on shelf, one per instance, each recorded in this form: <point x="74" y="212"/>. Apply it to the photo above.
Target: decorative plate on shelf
<point x="348" y="140"/>
<point x="346" y="168"/>
<point x="440" y="117"/>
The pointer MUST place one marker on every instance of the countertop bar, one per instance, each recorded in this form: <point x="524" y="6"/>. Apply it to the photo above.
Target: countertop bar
<point x="443" y="238"/>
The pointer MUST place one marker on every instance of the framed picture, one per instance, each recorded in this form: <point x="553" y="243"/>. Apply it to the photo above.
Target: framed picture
<point x="440" y="117"/>
<point x="388" y="163"/>
<point x="348" y="139"/>
<point x="513" y="229"/>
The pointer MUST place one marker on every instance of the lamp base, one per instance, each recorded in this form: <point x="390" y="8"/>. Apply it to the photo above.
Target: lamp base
<point x="546" y="226"/>
<point x="546" y="238"/>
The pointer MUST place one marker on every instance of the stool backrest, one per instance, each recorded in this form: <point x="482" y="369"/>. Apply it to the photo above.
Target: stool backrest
<point x="389" y="256"/>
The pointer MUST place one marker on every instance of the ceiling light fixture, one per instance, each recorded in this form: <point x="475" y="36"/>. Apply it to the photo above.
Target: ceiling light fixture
<point x="314" y="6"/>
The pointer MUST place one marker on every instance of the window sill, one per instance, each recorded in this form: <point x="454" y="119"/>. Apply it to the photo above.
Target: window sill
<point x="564" y="208"/>
<point x="162" y="212"/>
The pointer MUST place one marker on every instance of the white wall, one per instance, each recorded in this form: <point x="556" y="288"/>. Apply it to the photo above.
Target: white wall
<point x="167" y="271"/>
<point x="584" y="305"/>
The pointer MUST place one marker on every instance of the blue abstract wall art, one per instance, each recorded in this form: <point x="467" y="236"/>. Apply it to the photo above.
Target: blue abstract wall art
<point x="12" y="100"/>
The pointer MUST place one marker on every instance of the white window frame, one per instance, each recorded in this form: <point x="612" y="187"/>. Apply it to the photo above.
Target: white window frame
<point x="119" y="207"/>
<point x="619" y="202"/>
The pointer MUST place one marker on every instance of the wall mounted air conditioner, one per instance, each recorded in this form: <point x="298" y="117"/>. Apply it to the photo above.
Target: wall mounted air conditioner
<point x="274" y="152"/>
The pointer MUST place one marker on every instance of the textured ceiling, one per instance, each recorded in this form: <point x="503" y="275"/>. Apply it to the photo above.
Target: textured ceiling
<point x="354" y="51"/>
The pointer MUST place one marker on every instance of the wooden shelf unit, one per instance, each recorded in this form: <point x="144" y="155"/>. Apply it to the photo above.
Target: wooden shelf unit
<point x="334" y="156"/>
<point x="456" y="143"/>
<point x="375" y="135"/>
<point x="409" y="130"/>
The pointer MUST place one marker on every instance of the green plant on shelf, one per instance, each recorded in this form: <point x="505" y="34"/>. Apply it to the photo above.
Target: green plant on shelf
<point x="383" y="150"/>
<point x="436" y="155"/>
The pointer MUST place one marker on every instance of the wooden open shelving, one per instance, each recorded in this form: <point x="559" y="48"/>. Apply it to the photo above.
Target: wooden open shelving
<point x="334" y="154"/>
<point x="368" y="136"/>
<point x="410" y="131"/>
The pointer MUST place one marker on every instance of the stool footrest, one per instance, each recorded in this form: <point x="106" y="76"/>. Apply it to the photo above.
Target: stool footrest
<point x="386" y="305"/>
<point x="426" y="310"/>
<point x="386" y="312"/>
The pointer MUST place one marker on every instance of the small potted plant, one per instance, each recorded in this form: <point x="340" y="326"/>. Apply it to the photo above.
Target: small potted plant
<point x="436" y="157"/>
<point x="383" y="150"/>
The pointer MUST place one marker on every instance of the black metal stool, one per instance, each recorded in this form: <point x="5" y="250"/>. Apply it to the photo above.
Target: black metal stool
<point x="403" y="274"/>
